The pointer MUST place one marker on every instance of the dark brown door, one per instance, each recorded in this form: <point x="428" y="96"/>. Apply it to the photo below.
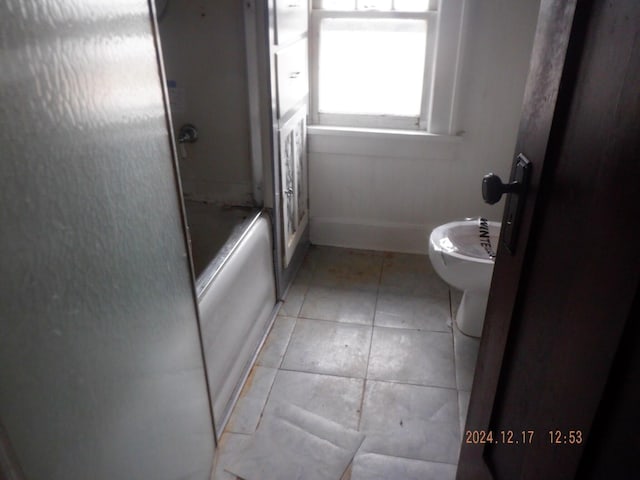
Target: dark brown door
<point x="560" y="305"/>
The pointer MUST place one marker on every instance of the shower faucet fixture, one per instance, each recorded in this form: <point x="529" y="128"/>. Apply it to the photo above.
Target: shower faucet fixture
<point x="188" y="134"/>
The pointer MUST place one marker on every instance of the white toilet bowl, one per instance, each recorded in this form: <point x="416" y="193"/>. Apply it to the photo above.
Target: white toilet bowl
<point x="463" y="253"/>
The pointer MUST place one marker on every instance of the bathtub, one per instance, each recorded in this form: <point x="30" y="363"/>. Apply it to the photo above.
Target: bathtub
<point x="233" y="259"/>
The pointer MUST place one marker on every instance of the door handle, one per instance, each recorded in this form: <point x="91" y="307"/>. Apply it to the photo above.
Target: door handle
<point x="493" y="189"/>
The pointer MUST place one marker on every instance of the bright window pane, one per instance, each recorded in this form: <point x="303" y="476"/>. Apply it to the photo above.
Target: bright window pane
<point x="374" y="4"/>
<point x="412" y="5"/>
<point x="339" y="4"/>
<point x="371" y="66"/>
<point x="399" y="5"/>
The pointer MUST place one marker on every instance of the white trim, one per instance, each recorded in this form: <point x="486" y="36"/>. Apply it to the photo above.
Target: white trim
<point x="368" y="121"/>
<point x="381" y="236"/>
<point x="313" y="36"/>
<point x="379" y="132"/>
<point x="427" y="80"/>
<point x="372" y="14"/>
<point x="382" y="143"/>
<point x="446" y="66"/>
<point x="444" y="40"/>
<point x="253" y="86"/>
<point x="418" y="122"/>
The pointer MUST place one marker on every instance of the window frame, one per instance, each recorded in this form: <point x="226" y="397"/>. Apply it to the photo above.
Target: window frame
<point x="444" y="19"/>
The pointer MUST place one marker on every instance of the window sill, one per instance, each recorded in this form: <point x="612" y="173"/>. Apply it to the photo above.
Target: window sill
<point x="376" y="142"/>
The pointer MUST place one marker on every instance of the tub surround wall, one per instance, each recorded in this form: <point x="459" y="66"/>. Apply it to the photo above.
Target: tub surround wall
<point x="387" y="192"/>
<point x="203" y="47"/>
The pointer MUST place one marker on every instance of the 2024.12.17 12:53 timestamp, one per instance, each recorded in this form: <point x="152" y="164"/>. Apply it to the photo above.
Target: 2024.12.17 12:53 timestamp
<point x="522" y="437"/>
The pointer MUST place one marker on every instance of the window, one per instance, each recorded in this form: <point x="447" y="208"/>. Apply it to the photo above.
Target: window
<point x="384" y="63"/>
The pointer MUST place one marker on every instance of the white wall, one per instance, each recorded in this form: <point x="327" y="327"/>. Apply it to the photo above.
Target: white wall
<point x="387" y="194"/>
<point x="204" y="53"/>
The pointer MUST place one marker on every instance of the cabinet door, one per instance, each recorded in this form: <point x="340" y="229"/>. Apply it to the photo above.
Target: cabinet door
<point x="294" y="184"/>
<point x="291" y="72"/>
<point x="291" y="20"/>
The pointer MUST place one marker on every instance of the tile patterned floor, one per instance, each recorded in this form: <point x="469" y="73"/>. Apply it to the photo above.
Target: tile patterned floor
<point x="365" y="339"/>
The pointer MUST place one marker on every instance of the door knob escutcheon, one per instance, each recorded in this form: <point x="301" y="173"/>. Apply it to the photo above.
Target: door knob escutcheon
<point x="493" y="189"/>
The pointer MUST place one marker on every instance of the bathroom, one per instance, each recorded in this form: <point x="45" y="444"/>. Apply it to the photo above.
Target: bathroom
<point x="373" y="197"/>
<point x="246" y="278"/>
<point x="132" y="335"/>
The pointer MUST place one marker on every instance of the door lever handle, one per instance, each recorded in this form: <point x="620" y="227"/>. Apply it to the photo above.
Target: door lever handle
<point x="493" y="188"/>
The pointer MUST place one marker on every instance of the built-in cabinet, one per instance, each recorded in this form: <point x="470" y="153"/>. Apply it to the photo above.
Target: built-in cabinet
<point x="291" y="21"/>
<point x="277" y="53"/>
<point x="293" y="171"/>
<point x="292" y="83"/>
<point x="289" y="52"/>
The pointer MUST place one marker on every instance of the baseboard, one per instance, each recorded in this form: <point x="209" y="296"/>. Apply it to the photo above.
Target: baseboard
<point x="392" y="237"/>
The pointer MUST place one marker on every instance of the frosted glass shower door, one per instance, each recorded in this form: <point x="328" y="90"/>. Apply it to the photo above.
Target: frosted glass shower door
<point x="101" y="370"/>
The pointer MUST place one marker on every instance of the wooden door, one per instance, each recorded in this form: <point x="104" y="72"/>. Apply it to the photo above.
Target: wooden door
<point x="559" y="306"/>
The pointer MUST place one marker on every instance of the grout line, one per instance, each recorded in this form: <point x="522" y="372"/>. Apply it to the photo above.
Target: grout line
<point x="412" y="458"/>
<point x="368" y="325"/>
<point x="447" y="332"/>
<point x="304" y="296"/>
<point x="286" y="347"/>
<point x="318" y="373"/>
<point x="453" y="341"/>
<point x="361" y="406"/>
<point x="455" y="363"/>
<point x="373" y="322"/>
<point x="397" y="382"/>
<point x="266" y="401"/>
<point x="279" y="367"/>
<point x="297" y="316"/>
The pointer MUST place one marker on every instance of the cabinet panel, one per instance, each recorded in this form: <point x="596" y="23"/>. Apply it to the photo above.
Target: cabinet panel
<point x="291" y="20"/>
<point x="291" y="71"/>
<point x="294" y="181"/>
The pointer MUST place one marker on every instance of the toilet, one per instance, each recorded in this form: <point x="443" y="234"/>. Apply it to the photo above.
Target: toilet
<point x="463" y="253"/>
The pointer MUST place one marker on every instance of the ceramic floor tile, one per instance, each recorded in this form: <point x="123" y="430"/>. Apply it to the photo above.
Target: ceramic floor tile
<point x="276" y="342"/>
<point x="407" y="262"/>
<point x="466" y="353"/>
<point x="411" y="356"/>
<point x="248" y="409"/>
<point x="456" y="298"/>
<point x="228" y="446"/>
<point x="293" y="443"/>
<point x="413" y="428"/>
<point x="420" y="313"/>
<point x="345" y="268"/>
<point x="411" y="275"/>
<point x="372" y="466"/>
<point x="387" y="404"/>
<point x="305" y="272"/>
<point x="339" y="305"/>
<point x="331" y="397"/>
<point x="294" y="299"/>
<point x="333" y="348"/>
<point x="463" y="406"/>
<point x="411" y="421"/>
